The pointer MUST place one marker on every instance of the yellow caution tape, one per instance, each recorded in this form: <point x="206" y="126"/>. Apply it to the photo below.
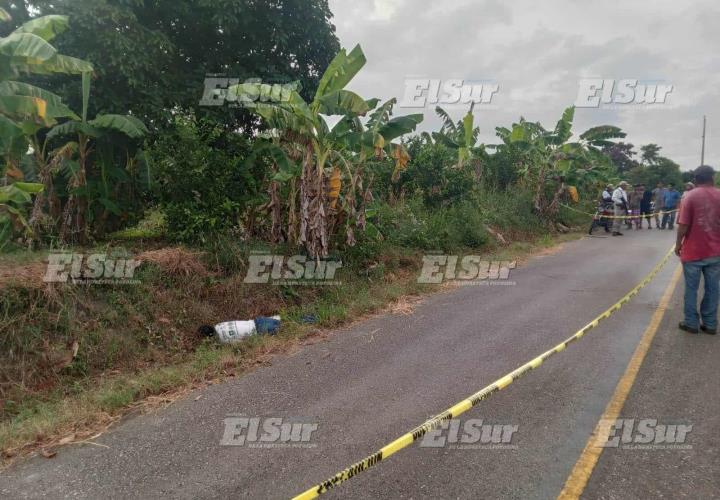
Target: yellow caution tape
<point x="638" y="216"/>
<point x="433" y="423"/>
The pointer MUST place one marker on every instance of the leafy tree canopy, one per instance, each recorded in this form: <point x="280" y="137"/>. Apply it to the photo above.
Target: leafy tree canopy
<point x="661" y="170"/>
<point x="621" y="155"/>
<point x="153" y="55"/>
<point x="650" y="154"/>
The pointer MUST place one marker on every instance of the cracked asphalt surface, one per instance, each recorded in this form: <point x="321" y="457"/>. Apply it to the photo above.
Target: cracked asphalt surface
<point x="370" y="383"/>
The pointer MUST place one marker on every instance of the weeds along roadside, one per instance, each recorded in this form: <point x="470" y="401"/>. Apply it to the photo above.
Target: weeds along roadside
<point x="74" y="357"/>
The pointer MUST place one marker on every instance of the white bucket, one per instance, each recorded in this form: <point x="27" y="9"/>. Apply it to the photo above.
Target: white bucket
<point x="234" y="331"/>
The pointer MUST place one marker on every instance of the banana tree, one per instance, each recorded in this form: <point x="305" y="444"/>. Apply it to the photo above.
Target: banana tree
<point x="26" y="109"/>
<point x="582" y="162"/>
<point x="461" y="137"/>
<point x="377" y="135"/>
<point x="319" y="149"/>
<point x="357" y="143"/>
<point x="353" y="144"/>
<point x="32" y="135"/>
<point x="282" y="158"/>
<point x="75" y="158"/>
<point x="548" y="159"/>
<point x="13" y="198"/>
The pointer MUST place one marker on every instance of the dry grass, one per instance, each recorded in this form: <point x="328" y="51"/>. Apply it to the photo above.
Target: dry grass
<point x="176" y="261"/>
<point x="404" y="305"/>
<point x="25" y="275"/>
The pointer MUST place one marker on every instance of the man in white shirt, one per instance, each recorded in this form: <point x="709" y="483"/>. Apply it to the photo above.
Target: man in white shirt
<point x="620" y="202"/>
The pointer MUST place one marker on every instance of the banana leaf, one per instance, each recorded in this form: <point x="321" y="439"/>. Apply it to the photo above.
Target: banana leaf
<point x="341" y="70"/>
<point x="124" y="124"/>
<point x="342" y="102"/>
<point x="46" y="27"/>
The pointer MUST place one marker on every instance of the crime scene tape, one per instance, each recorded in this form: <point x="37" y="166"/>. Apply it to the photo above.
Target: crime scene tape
<point x="638" y="216"/>
<point x="407" y="439"/>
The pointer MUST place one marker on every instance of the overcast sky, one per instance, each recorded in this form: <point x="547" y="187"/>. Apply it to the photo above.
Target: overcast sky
<point x="537" y="52"/>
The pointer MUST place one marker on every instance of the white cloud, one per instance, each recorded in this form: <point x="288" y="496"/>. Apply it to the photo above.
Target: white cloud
<point x="384" y="9"/>
<point x="537" y="52"/>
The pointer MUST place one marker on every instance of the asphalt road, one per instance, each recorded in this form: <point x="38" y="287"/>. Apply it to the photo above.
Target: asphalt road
<point x="368" y="384"/>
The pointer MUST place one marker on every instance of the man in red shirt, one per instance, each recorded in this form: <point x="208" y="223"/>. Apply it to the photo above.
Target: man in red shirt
<point x="698" y="245"/>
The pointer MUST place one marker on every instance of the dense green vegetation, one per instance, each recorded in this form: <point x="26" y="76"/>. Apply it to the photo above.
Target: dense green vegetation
<point x="122" y="132"/>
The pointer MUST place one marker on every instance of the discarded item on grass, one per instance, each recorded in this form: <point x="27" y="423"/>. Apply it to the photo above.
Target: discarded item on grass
<point x="229" y="332"/>
<point x="309" y="319"/>
<point x="264" y="325"/>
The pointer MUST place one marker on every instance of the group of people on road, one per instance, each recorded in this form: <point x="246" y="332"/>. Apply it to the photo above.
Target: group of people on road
<point x="697" y="241"/>
<point x="633" y="204"/>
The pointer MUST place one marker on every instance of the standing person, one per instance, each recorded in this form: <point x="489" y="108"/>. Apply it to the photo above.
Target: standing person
<point x="606" y="196"/>
<point x="605" y="208"/>
<point x="670" y="203"/>
<point x="633" y="206"/>
<point x="635" y="202"/>
<point x="646" y="206"/>
<point x="620" y="203"/>
<point x="689" y="186"/>
<point x="698" y="246"/>
<point x="658" y="197"/>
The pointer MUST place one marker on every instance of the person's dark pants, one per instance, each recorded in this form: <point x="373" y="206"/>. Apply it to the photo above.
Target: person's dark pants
<point x="647" y="213"/>
<point x="710" y="270"/>
<point x="668" y="220"/>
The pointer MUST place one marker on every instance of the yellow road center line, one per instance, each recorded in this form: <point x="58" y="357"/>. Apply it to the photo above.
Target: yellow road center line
<point x="580" y="475"/>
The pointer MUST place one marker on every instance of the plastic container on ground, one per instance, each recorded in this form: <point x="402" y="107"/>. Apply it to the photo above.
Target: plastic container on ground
<point x="234" y="331"/>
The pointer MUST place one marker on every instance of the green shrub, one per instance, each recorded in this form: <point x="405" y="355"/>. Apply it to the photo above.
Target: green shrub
<point x="152" y="225"/>
<point x="202" y="181"/>
<point x="510" y="209"/>
<point x="413" y="225"/>
<point x="432" y="174"/>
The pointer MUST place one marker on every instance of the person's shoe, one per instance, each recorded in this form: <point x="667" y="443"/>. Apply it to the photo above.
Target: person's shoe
<point x="709" y="331"/>
<point x="687" y="328"/>
<point x="616" y="233"/>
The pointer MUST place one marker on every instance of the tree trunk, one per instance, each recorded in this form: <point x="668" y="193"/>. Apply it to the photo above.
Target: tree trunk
<point x="313" y="212"/>
<point x="292" y="227"/>
<point x="552" y="209"/>
<point x="276" y="233"/>
<point x="74" y="227"/>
